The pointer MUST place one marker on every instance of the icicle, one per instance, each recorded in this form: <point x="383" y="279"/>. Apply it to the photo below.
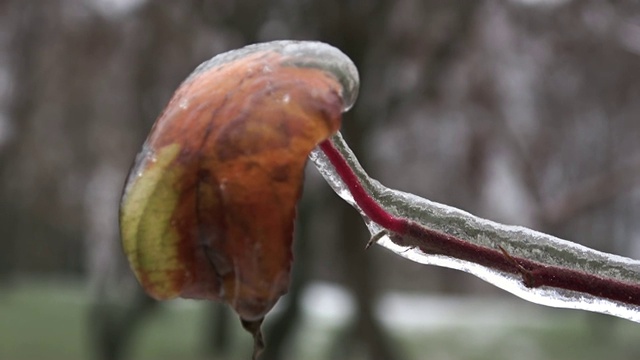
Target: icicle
<point x="512" y="248"/>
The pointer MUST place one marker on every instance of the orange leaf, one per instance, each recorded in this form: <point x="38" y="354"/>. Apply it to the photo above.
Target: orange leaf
<point x="209" y="206"/>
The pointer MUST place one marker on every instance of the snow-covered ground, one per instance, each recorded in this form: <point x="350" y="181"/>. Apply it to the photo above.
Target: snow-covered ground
<point x="327" y="305"/>
<point x="333" y="305"/>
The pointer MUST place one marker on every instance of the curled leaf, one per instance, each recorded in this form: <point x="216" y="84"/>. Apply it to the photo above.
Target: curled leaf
<point x="208" y="208"/>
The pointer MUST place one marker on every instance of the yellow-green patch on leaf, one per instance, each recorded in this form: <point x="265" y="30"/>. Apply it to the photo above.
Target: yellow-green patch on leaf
<point x="149" y="240"/>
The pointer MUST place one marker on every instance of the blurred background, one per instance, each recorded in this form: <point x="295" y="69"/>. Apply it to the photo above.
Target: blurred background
<point x="522" y="111"/>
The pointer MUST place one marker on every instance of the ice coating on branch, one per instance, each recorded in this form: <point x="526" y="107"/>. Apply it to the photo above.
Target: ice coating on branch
<point x="517" y="241"/>
<point x="312" y="54"/>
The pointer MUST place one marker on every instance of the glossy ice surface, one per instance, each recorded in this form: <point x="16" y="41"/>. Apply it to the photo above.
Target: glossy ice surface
<point x="518" y="241"/>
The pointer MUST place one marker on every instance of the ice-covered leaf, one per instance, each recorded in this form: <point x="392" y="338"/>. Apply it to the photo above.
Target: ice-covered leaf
<point x="209" y="205"/>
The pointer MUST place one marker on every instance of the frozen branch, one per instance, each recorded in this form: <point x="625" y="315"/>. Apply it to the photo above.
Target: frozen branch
<point x="534" y="266"/>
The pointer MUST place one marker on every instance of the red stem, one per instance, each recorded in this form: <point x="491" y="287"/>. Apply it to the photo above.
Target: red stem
<point x="534" y="274"/>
